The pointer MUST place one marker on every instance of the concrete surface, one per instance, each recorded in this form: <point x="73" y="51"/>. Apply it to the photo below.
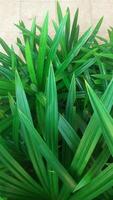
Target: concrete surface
<point x="11" y="11"/>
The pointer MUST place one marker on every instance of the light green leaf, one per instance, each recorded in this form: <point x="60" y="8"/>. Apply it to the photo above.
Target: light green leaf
<point x="54" y="45"/>
<point x="74" y="29"/>
<point x="52" y="125"/>
<point x="74" y="52"/>
<point x="59" y="12"/>
<point x="36" y="158"/>
<point x="30" y="64"/>
<point x="51" y="112"/>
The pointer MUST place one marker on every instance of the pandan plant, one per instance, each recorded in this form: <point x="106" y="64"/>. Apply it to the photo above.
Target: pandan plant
<point x="56" y="125"/>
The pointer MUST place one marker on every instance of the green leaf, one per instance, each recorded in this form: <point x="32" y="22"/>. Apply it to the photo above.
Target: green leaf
<point x="33" y="31"/>
<point x="36" y="158"/>
<point x="41" y="146"/>
<point x="68" y="133"/>
<point x="5" y="46"/>
<point x="63" y="51"/>
<point x="6" y="73"/>
<point x="16" y="123"/>
<point x="51" y="112"/>
<point x="21" y="97"/>
<point x="95" y="31"/>
<point x="54" y="45"/>
<point x="4" y="124"/>
<point x="74" y="52"/>
<point x="42" y="51"/>
<point x="74" y="29"/>
<point x="11" y="187"/>
<point x="70" y="109"/>
<point x="15" y="168"/>
<point x="13" y="59"/>
<point x="6" y="87"/>
<point x="67" y="29"/>
<point x="98" y="185"/>
<point x="102" y="71"/>
<point x="106" y="122"/>
<point x="105" y="55"/>
<point x="52" y="124"/>
<point x="59" y="12"/>
<point x="91" y="135"/>
<point x="40" y="111"/>
<point x="95" y="169"/>
<point x="30" y="64"/>
<point x="82" y="68"/>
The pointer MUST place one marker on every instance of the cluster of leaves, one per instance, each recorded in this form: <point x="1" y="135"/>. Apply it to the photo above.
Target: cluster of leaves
<point x="56" y="126"/>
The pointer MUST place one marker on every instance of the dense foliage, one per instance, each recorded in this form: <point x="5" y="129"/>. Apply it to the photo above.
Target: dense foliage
<point x="56" y="126"/>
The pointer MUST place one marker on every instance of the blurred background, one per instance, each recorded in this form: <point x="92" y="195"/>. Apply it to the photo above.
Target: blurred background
<point x="90" y="11"/>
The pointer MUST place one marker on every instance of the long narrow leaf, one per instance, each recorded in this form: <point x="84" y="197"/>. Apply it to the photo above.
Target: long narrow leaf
<point x="30" y="65"/>
<point x="41" y="146"/>
<point x="42" y="51"/>
<point x="106" y="122"/>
